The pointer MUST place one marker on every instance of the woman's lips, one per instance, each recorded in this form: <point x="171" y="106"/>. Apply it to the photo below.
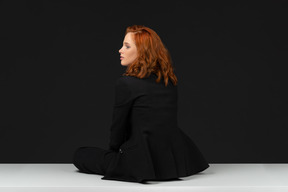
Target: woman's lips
<point x="121" y="58"/>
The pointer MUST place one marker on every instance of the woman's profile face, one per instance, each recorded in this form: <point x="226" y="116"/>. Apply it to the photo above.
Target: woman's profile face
<point x="128" y="52"/>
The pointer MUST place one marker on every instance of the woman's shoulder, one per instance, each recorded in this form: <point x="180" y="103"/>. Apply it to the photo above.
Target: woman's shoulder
<point x="146" y="81"/>
<point x="128" y="80"/>
<point x="131" y="78"/>
<point x="125" y="83"/>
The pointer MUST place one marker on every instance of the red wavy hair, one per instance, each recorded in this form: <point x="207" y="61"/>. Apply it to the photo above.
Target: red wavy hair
<point x="153" y="56"/>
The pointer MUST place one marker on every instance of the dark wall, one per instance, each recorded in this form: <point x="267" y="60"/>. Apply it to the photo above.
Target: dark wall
<point x="59" y="62"/>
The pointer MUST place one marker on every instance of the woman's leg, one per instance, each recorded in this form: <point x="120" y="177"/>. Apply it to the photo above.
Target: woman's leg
<point x="92" y="160"/>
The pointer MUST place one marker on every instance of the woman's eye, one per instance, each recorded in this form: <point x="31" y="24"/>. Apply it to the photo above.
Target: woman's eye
<point x="128" y="47"/>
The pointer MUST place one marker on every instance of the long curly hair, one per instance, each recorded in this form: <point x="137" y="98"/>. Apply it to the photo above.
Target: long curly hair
<point x="153" y="56"/>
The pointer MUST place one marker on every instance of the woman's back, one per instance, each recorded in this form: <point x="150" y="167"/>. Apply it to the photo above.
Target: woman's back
<point x="146" y="134"/>
<point x="155" y="106"/>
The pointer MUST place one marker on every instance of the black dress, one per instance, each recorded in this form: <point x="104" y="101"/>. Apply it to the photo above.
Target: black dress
<point x="145" y="140"/>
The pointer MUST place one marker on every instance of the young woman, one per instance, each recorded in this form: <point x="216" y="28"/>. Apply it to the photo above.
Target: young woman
<point x="146" y="143"/>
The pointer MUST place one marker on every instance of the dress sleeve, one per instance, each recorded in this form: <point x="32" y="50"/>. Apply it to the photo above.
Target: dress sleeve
<point x="121" y="114"/>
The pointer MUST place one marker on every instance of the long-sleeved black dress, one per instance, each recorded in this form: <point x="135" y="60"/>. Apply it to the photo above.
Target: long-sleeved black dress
<point x="145" y="136"/>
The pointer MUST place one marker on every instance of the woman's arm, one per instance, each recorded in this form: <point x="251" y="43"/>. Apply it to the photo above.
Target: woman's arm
<point x="121" y="111"/>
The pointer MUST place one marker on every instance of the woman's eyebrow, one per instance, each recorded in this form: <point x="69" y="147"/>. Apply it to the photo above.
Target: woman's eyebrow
<point x="126" y="43"/>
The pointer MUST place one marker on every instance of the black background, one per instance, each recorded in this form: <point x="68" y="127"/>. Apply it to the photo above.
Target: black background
<point x="60" y="60"/>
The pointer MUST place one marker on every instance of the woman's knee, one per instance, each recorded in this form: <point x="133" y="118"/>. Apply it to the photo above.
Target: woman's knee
<point x="78" y="155"/>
